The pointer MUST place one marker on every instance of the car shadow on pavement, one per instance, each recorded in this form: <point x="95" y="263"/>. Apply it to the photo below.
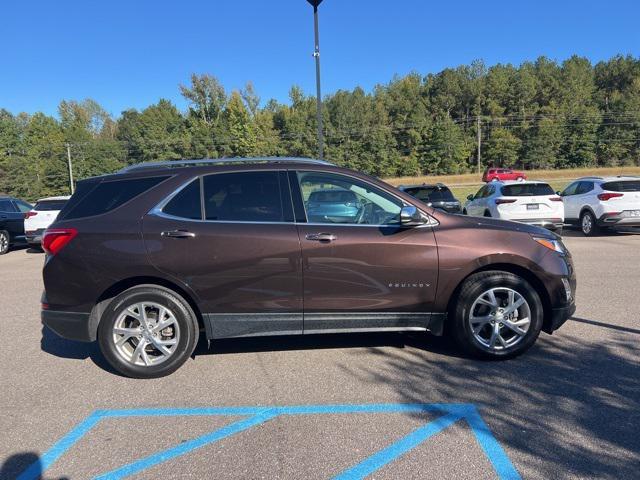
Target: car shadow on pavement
<point x="567" y="408"/>
<point x="63" y="348"/>
<point x="17" y="463"/>
<point x="327" y="341"/>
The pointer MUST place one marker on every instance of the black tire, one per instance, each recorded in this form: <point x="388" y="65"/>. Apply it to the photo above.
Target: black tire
<point x="588" y="224"/>
<point x="185" y="318"/>
<point x="464" y="212"/>
<point x="487" y="213"/>
<point x="5" y="240"/>
<point x="472" y="288"/>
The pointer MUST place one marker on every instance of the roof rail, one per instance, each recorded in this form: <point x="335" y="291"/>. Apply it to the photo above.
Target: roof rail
<point x="594" y="177"/>
<point x="219" y="161"/>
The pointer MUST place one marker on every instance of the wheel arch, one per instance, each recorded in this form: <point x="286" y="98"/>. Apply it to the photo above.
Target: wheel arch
<point x="117" y="288"/>
<point x="529" y="276"/>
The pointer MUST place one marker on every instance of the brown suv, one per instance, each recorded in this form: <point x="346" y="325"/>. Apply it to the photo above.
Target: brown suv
<point x="144" y="260"/>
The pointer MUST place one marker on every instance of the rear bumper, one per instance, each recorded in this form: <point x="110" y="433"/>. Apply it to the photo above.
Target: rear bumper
<point x="618" y="221"/>
<point x="548" y="223"/>
<point x="69" y="325"/>
<point x="34" y="237"/>
<point x="558" y="317"/>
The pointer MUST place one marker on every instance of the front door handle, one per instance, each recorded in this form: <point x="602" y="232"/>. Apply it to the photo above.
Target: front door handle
<point x="321" y="237"/>
<point x="178" y="234"/>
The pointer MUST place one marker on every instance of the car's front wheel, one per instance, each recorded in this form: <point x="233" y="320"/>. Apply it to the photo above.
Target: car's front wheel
<point x="147" y="332"/>
<point x="497" y="315"/>
<point x="4" y="242"/>
<point x="588" y="224"/>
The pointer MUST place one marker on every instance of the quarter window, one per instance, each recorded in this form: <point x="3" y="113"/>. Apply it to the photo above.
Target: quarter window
<point x="186" y="204"/>
<point x="243" y="197"/>
<point x="331" y="198"/>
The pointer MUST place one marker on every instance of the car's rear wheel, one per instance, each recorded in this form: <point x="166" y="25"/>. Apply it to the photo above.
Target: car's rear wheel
<point x="588" y="224"/>
<point x="497" y="315"/>
<point x="4" y="242"/>
<point x="147" y="332"/>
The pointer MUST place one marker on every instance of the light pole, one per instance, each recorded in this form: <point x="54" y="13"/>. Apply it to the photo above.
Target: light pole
<point x="316" y="54"/>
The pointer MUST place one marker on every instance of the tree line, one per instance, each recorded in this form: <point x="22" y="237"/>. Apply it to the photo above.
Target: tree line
<point x="540" y="114"/>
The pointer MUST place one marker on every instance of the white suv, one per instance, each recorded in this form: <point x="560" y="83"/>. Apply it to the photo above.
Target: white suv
<point x="594" y="203"/>
<point x="43" y="214"/>
<point x="529" y="202"/>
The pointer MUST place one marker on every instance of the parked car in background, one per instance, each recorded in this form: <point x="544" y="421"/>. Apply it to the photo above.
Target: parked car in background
<point x="12" y="213"/>
<point x="143" y="260"/>
<point x="435" y="195"/>
<point x="41" y="216"/>
<point x="529" y="202"/>
<point x="502" y="174"/>
<point x="333" y="205"/>
<point x="596" y="203"/>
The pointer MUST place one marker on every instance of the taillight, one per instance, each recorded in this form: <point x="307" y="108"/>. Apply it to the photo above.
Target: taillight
<point x="500" y="201"/>
<point x="55" y="239"/>
<point x="606" y="196"/>
<point x="556" y="199"/>
<point x="30" y="214"/>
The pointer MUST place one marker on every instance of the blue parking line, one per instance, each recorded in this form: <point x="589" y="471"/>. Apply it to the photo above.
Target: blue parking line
<point x="187" y="447"/>
<point x="259" y="414"/>
<point x="35" y="470"/>
<point x="402" y="446"/>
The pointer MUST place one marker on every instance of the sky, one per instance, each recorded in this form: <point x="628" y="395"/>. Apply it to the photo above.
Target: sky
<point x="128" y="54"/>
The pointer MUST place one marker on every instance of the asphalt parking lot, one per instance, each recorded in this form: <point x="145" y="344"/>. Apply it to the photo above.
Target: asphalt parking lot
<point x="388" y="406"/>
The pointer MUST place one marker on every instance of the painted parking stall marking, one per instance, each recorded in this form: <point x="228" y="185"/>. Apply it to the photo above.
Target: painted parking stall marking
<point x="446" y="415"/>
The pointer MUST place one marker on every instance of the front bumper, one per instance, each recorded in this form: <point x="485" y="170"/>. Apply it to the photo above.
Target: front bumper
<point x="558" y="317"/>
<point x="69" y="325"/>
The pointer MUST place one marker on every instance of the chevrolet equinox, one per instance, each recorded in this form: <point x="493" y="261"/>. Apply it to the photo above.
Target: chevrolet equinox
<point x="144" y="260"/>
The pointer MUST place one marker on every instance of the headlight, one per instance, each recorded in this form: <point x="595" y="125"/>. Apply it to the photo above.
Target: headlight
<point x="551" y="244"/>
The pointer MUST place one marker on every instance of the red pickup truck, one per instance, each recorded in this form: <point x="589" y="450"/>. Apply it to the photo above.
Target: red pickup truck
<point x="491" y="174"/>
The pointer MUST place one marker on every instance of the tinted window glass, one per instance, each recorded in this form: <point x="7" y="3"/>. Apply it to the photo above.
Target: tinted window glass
<point x="246" y="197"/>
<point x="622" y="186"/>
<point x="480" y="193"/>
<point x="527" y="190"/>
<point x="186" y="204"/>
<point x="584" y="187"/>
<point x="49" y="205"/>
<point x="570" y="190"/>
<point x="7" y="206"/>
<point x="106" y="196"/>
<point x="431" y="194"/>
<point x="365" y="203"/>
<point x="23" y="206"/>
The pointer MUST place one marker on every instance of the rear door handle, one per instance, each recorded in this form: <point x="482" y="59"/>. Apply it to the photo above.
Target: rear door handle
<point x="178" y="234"/>
<point x="321" y="237"/>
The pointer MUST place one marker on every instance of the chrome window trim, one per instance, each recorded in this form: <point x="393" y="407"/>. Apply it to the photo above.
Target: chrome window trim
<point x="157" y="210"/>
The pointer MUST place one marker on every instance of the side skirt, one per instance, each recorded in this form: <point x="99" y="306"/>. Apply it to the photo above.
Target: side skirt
<point x="225" y="325"/>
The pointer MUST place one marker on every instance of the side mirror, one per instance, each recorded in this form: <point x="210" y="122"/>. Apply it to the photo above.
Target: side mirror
<point x="470" y="196"/>
<point x="410" y="216"/>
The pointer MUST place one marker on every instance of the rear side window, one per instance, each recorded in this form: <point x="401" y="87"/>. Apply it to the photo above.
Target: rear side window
<point x="7" y="206"/>
<point x="584" y="187"/>
<point x="622" y="186"/>
<point x="186" y="204"/>
<point x="105" y="196"/>
<point x="243" y="197"/>
<point x="527" y="190"/>
<point x="49" y="205"/>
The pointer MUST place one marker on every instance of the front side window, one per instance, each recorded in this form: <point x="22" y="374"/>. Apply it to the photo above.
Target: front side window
<point x="481" y="193"/>
<point x="331" y="198"/>
<point x="584" y="187"/>
<point x="570" y="190"/>
<point x="6" y="206"/>
<point x="243" y="197"/>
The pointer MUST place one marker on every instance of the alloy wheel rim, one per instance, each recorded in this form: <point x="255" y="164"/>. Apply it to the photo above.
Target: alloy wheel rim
<point x="4" y="242"/>
<point x="500" y="318"/>
<point x="586" y="223"/>
<point x="146" y="334"/>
